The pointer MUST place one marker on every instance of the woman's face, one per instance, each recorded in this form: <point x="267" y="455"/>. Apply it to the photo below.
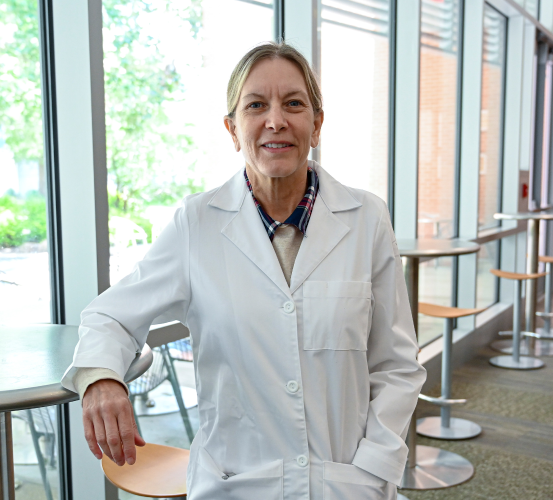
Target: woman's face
<point x="275" y="124"/>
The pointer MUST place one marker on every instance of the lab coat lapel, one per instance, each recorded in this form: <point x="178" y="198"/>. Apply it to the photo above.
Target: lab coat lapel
<point x="325" y="230"/>
<point x="248" y="233"/>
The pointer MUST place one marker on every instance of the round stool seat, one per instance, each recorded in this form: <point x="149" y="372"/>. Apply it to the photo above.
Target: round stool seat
<point x="546" y="259"/>
<point x="446" y="312"/>
<point x="159" y="472"/>
<point x="516" y="276"/>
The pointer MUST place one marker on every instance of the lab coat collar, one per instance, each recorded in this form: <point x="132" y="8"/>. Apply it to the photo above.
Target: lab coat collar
<point x="337" y="197"/>
<point x="324" y="232"/>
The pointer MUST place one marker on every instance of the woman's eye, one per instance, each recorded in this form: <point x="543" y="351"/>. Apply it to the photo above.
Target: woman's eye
<point x="255" y="105"/>
<point x="294" y="104"/>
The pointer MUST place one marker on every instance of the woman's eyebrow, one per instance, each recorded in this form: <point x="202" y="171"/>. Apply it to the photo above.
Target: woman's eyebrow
<point x="288" y="94"/>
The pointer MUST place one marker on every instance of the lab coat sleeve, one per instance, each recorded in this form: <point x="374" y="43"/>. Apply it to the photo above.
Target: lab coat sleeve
<point x="114" y="326"/>
<point x="396" y="377"/>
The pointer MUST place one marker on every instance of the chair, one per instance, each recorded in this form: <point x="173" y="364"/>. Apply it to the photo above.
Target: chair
<point x="159" y="472"/>
<point x="516" y="361"/>
<point x="41" y="424"/>
<point x="180" y="350"/>
<point x="445" y="426"/>
<point x="161" y="370"/>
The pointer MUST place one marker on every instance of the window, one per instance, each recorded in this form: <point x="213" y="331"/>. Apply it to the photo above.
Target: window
<point x="167" y="65"/>
<point x="437" y="118"/>
<point x="24" y="263"/>
<point x="354" y="81"/>
<point x="491" y="123"/>
<point x="25" y="291"/>
<point x="487" y="285"/>
<point x="437" y="150"/>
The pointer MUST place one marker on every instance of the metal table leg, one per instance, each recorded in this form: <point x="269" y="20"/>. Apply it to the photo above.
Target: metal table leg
<point x="7" y="481"/>
<point x="428" y="467"/>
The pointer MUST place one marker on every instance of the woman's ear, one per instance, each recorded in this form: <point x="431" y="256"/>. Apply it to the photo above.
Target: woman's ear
<point x="231" y="127"/>
<point x="318" y="123"/>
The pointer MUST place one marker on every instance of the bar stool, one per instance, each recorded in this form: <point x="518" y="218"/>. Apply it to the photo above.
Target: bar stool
<point x="516" y="361"/>
<point x="159" y="472"/>
<point x="445" y="426"/>
<point x="545" y="332"/>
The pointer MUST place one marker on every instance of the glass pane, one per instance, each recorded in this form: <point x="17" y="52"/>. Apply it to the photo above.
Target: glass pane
<point x="35" y="453"/>
<point x="24" y="263"/>
<point x="437" y="119"/>
<point x="167" y="65"/>
<point x="354" y="138"/>
<point x="491" y="126"/>
<point x="435" y="288"/>
<point x="486" y="284"/>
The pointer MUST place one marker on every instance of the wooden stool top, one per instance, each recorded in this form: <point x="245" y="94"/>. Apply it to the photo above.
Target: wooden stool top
<point x="516" y="276"/>
<point x="446" y="312"/>
<point x="159" y="472"/>
<point x="545" y="258"/>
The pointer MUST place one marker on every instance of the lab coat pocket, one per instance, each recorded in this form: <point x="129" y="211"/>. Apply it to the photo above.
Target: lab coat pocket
<point x="336" y="315"/>
<point x="348" y="482"/>
<point x="210" y="483"/>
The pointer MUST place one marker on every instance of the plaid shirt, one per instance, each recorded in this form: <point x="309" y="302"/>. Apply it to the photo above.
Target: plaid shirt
<point x="300" y="216"/>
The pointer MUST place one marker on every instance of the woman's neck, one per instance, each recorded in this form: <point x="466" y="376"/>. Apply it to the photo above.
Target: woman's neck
<point x="279" y="196"/>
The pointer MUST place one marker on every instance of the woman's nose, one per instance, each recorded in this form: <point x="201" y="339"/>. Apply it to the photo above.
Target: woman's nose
<point x="276" y="119"/>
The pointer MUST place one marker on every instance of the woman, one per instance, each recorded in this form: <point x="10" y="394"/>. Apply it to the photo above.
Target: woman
<point x="303" y="342"/>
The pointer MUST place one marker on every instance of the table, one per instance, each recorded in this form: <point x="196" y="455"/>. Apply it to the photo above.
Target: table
<point x="428" y="467"/>
<point x="532" y="346"/>
<point x="32" y="361"/>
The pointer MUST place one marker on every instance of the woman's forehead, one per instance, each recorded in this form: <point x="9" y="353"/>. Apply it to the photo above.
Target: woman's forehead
<point x="270" y="76"/>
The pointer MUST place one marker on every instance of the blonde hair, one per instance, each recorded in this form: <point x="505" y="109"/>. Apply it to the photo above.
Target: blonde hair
<point x="271" y="50"/>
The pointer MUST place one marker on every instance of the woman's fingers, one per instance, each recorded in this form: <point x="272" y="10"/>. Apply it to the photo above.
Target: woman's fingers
<point x="101" y="437"/>
<point x="126" y="425"/>
<point x="138" y="439"/>
<point x="113" y="439"/>
<point x="90" y="437"/>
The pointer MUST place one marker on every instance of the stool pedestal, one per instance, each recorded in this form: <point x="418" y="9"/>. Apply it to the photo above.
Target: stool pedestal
<point x="516" y="361"/>
<point x="444" y="426"/>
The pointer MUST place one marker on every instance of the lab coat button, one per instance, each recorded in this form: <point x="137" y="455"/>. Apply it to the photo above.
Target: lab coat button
<point x="292" y="386"/>
<point x="289" y="307"/>
<point x="302" y="460"/>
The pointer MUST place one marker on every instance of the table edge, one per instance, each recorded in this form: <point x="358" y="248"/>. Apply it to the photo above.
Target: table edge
<point x="55" y="394"/>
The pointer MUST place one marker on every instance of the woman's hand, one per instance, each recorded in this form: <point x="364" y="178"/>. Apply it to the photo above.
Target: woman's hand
<point x="109" y="422"/>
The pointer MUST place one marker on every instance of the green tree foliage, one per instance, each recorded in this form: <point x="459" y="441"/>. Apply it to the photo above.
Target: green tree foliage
<point x="144" y="144"/>
<point x="22" y="221"/>
<point x="20" y="100"/>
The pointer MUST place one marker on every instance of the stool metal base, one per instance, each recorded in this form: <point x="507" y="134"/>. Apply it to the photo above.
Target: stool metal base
<point x="524" y="363"/>
<point x="459" y="428"/>
<point x="542" y="347"/>
<point x="436" y="469"/>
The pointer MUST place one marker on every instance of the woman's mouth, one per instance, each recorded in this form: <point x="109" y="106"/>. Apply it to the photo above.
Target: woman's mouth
<point x="277" y="147"/>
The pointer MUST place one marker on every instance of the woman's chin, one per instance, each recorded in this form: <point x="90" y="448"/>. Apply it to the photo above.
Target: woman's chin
<point x="279" y="167"/>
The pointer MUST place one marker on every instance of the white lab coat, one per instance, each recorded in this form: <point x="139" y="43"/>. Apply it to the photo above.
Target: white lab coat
<point x="304" y="392"/>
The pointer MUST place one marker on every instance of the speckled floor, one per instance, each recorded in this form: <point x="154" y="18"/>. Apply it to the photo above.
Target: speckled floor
<point x="513" y="457"/>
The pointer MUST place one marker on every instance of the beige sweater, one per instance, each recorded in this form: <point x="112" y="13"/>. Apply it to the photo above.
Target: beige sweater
<point x="286" y="242"/>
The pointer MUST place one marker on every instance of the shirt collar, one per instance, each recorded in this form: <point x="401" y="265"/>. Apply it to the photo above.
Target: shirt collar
<point x="302" y="213"/>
